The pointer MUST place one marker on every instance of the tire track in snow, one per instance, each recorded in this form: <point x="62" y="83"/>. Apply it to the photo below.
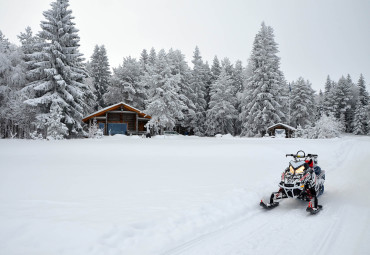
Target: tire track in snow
<point x="214" y="234"/>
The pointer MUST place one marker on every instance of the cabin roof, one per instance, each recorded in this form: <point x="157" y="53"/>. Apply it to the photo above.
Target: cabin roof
<point x="114" y="107"/>
<point x="282" y="124"/>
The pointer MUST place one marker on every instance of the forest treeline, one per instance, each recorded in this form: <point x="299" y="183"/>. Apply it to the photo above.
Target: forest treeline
<point x="46" y="87"/>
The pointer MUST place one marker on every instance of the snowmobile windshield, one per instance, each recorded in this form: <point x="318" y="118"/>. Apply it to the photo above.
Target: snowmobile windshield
<point x="296" y="164"/>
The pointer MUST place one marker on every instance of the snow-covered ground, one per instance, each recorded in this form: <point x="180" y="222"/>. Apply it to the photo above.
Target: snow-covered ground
<point x="178" y="195"/>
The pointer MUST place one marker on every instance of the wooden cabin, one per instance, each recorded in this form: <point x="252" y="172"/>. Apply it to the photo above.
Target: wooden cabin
<point x="280" y="126"/>
<point x="119" y="118"/>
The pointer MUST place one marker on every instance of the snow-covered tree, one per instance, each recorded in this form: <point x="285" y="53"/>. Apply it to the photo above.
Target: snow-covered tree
<point x="343" y="97"/>
<point x="178" y="66"/>
<point x="263" y="102"/>
<point x="221" y="113"/>
<point x="101" y="74"/>
<point x="329" y="99"/>
<point x="126" y="85"/>
<point x="238" y="78"/>
<point x="60" y="70"/>
<point x="302" y="103"/>
<point x="95" y="131"/>
<point x="361" y="117"/>
<point x="144" y="61"/>
<point x="198" y="86"/>
<point x="215" y="69"/>
<point x="56" y="130"/>
<point x="164" y="105"/>
<point x="15" y="117"/>
<point x="325" y="127"/>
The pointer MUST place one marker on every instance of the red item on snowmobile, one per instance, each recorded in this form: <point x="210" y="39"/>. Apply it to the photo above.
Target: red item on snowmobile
<point x="309" y="162"/>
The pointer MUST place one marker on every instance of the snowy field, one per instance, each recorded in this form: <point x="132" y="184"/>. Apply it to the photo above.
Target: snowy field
<point x="178" y="195"/>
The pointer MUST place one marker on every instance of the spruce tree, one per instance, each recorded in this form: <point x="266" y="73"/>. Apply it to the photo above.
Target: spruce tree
<point x="126" y="85"/>
<point x="164" y="105"/>
<point x="361" y="117"/>
<point x="221" y="114"/>
<point x="343" y="97"/>
<point x="302" y="103"/>
<point x="178" y="66"/>
<point x="215" y="69"/>
<point x="198" y="86"/>
<point x="101" y="74"/>
<point x="60" y="69"/>
<point x="262" y="106"/>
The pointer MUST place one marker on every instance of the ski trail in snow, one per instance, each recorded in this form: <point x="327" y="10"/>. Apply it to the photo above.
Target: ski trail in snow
<point x="235" y="238"/>
<point x="214" y="234"/>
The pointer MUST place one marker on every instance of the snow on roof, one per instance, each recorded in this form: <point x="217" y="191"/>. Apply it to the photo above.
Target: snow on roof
<point x="282" y="124"/>
<point x="110" y="107"/>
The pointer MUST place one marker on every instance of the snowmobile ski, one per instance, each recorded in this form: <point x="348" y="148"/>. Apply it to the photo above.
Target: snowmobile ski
<point x="313" y="210"/>
<point x="269" y="206"/>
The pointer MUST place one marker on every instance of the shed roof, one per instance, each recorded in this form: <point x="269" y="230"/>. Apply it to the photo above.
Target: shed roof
<point x="114" y="107"/>
<point x="282" y="124"/>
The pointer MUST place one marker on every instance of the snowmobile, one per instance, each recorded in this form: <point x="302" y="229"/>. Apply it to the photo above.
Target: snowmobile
<point x="303" y="179"/>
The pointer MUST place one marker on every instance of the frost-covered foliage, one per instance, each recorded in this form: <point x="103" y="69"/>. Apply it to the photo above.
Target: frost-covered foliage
<point x="221" y="113"/>
<point x="126" y="85"/>
<point x="264" y="91"/>
<point x="361" y="115"/>
<point x="100" y="72"/>
<point x="302" y="103"/>
<point x="198" y="87"/>
<point x="56" y="130"/>
<point x="164" y="105"/>
<point x="325" y="127"/>
<point x="16" y="118"/>
<point x="59" y="69"/>
<point x="94" y="130"/>
<point x="178" y="66"/>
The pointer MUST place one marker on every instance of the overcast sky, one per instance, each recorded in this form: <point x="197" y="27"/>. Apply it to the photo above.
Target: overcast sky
<point x="315" y="38"/>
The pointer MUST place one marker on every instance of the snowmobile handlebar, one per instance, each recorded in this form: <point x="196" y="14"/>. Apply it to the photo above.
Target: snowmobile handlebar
<point x="297" y="155"/>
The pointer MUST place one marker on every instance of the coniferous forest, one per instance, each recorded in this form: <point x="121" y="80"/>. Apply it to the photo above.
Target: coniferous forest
<point x="47" y="86"/>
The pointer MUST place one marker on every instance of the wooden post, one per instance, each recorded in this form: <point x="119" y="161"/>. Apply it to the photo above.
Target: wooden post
<point x="137" y="123"/>
<point x="106" y="123"/>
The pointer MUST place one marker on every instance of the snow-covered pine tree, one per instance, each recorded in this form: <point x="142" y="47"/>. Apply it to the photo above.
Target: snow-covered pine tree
<point x="60" y="69"/>
<point x="361" y="117"/>
<point x="152" y="57"/>
<point x="238" y="78"/>
<point x="302" y="103"/>
<point x="198" y="86"/>
<point x="126" y="86"/>
<point x="263" y="103"/>
<point x="178" y="66"/>
<point x="208" y="81"/>
<point x="144" y="61"/>
<point x="343" y="97"/>
<point x="221" y="114"/>
<point x="320" y="104"/>
<point x="164" y="105"/>
<point x="13" y="120"/>
<point x="215" y="69"/>
<point x="56" y="130"/>
<point x="101" y="74"/>
<point x="329" y="100"/>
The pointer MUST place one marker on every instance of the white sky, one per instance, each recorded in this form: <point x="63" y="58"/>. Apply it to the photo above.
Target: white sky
<point x="315" y="37"/>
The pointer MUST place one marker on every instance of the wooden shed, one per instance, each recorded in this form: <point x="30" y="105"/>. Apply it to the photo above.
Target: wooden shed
<point x="288" y="130"/>
<point x="119" y="118"/>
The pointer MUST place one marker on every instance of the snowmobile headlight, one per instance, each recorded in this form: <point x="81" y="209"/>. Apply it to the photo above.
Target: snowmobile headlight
<point x="291" y="170"/>
<point x="299" y="170"/>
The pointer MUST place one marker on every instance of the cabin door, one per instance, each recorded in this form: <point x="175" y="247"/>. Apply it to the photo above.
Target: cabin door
<point x="117" y="128"/>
